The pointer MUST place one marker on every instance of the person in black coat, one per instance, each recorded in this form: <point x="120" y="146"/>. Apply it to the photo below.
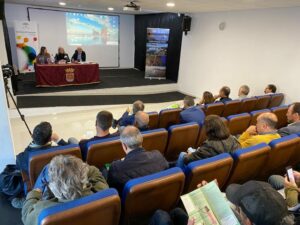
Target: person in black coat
<point x="42" y="139"/>
<point x="137" y="163"/>
<point x="79" y="55"/>
<point x="61" y="56"/>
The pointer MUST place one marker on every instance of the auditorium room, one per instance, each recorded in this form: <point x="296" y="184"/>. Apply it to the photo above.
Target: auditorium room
<point x="142" y="112"/>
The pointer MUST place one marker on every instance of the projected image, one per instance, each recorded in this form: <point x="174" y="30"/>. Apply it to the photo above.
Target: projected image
<point x="89" y="29"/>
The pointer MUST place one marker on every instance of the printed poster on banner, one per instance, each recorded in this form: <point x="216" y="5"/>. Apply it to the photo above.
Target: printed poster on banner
<point x="156" y="53"/>
<point x="27" y="44"/>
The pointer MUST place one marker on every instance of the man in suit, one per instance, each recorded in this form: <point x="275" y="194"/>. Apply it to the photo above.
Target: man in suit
<point x="137" y="163"/>
<point x="293" y="117"/>
<point x="190" y="112"/>
<point x="79" y="55"/>
<point x="127" y="118"/>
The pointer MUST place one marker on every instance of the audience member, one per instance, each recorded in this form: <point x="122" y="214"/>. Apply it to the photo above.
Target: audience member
<point x="43" y="57"/>
<point x="270" y="89"/>
<point x="258" y="203"/>
<point x="293" y="118"/>
<point x="79" y="55"/>
<point x="137" y="162"/>
<point x="218" y="141"/>
<point x="103" y="124"/>
<point x="68" y="179"/>
<point x="61" y="56"/>
<point x="176" y="216"/>
<point x="243" y="92"/>
<point x="42" y="139"/>
<point x="142" y="121"/>
<point x="191" y="113"/>
<point x="264" y="131"/>
<point x="291" y="188"/>
<point x="223" y="95"/>
<point x="207" y="98"/>
<point x="128" y="119"/>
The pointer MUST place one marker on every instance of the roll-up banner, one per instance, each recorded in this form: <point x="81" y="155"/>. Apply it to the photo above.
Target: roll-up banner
<point x="156" y="53"/>
<point x="27" y="44"/>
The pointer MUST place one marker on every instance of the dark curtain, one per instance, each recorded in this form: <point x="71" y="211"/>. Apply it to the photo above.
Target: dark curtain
<point x="5" y="32"/>
<point x="164" y="20"/>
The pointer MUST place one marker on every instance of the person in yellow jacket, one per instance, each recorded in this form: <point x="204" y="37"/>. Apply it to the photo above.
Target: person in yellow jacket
<point x="264" y="131"/>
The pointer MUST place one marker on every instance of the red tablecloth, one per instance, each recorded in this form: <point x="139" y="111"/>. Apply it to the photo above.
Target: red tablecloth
<point x="66" y="74"/>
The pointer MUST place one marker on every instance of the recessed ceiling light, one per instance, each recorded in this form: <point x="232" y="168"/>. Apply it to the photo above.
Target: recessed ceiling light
<point x="170" y="4"/>
<point x="62" y="3"/>
<point x="110" y="8"/>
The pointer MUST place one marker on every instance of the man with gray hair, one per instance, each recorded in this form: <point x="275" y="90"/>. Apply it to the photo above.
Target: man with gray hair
<point x="66" y="178"/>
<point x="142" y="121"/>
<point x="137" y="163"/>
<point x="243" y="92"/>
<point x="128" y="119"/>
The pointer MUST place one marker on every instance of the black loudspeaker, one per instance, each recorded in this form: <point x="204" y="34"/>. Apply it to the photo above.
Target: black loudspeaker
<point x="187" y="20"/>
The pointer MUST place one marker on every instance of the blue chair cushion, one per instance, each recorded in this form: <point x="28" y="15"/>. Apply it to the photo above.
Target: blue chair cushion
<point x="239" y="152"/>
<point x="147" y="178"/>
<point x="153" y="131"/>
<point x="279" y="107"/>
<point x="45" y="151"/>
<point x="237" y="115"/>
<point x="73" y="204"/>
<point x="283" y="139"/>
<point x="202" y="162"/>
<point x="171" y="128"/>
<point x="259" y="111"/>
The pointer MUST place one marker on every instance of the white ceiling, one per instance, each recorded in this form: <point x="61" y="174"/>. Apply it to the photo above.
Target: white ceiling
<point x="182" y="6"/>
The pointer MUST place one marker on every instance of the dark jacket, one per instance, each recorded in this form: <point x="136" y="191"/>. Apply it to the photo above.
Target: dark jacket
<point x="75" y="56"/>
<point x="192" y="114"/>
<point x="83" y="143"/>
<point x="293" y="128"/>
<point x="212" y="148"/>
<point x="22" y="159"/>
<point x="126" y="120"/>
<point x="226" y="99"/>
<point x="137" y="163"/>
<point x="59" y="57"/>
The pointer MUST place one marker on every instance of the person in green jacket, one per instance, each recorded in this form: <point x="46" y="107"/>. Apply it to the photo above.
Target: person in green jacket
<point x="68" y="178"/>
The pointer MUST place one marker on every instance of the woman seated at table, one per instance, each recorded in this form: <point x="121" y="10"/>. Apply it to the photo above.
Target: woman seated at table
<point x="43" y="57"/>
<point x="61" y="56"/>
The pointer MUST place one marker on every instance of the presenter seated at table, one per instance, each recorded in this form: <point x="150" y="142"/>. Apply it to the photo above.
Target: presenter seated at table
<point x="43" y="57"/>
<point x="61" y="57"/>
<point x="79" y="55"/>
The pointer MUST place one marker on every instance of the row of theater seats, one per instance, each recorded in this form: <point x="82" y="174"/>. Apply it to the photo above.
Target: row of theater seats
<point x="163" y="190"/>
<point x="169" y="117"/>
<point x="169" y="142"/>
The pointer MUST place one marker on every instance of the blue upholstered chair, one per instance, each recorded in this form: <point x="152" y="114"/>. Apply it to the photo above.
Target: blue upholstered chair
<point x="237" y="124"/>
<point x="169" y="117"/>
<point x="262" y="102"/>
<point x="214" y="109"/>
<point x="248" y="105"/>
<point x="217" y="167"/>
<point x="280" y="112"/>
<point x="142" y="196"/>
<point x="153" y="120"/>
<point x="255" y="114"/>
<point x="231" y="108"/>
<point x="248" y="163"/>
<point x="102" y="208"/>
<point x="156" y="139"/>
<point x="276" y="100"/>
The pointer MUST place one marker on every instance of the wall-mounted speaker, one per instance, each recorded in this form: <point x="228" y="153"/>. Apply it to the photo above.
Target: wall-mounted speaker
<point x="187" y="20"/>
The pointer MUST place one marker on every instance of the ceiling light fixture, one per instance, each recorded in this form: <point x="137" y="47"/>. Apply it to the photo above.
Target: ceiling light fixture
<point x="62" y="3"/>
<point x="170" y="4"/>
<point x="110" y="8"/>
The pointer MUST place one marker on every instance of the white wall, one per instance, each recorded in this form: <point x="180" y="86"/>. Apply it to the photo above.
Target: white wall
<point x="3" y="54"/>
<point x="7" y="148"/>
<point x="19" y="12"/>
<point x="257" y="47"/>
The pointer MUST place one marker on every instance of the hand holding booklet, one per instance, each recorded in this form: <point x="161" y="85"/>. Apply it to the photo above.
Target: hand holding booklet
<point x="208" y="206"/>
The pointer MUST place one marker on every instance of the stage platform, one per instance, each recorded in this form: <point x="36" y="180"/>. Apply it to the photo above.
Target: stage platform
<point x="118" y="86"/>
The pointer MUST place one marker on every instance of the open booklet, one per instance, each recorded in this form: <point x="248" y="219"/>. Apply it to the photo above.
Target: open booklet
<point x="208" y="206"/>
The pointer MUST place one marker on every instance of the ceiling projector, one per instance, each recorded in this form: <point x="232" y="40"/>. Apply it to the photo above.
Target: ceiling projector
<point x="132" y="7"/>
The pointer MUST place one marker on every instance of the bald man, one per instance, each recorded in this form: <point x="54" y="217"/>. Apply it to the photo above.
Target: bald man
<point x="79" y="55"/>
<point x="264" y="131"/>
<point x="137" y="163"/>
<point x="142" y="121"/>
